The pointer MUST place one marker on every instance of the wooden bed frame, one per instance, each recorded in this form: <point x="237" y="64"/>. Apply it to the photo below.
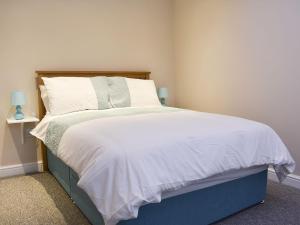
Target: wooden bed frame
<point x="200" y="207"/>
<point x="42" y="111"/>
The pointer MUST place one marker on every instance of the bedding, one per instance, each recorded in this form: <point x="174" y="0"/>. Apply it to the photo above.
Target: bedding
<point x="130" y="156"/>
<point x="44" y="97"/>
<point x="102" y="91"/>
<point x="69" y="94"/>
<point x="142" y="92"/>
<point x="63" y="95"/>
<point x="118" y="92"/>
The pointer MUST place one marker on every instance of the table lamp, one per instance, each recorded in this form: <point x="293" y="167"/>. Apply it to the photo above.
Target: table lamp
<point x="163" y="94"/>
<point x="18" y="99"/>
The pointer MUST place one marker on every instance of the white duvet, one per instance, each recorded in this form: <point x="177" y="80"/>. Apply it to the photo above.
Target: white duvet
<point x="126" y="161"/>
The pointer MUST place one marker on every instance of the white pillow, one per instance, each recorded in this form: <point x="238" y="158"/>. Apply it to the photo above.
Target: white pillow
<point x="142" y="92"/>
<point x="70" y="94"/>
<point x="44" y="97"/>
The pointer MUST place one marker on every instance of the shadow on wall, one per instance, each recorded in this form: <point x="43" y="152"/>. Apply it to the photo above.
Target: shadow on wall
<point x="12" y="150"/>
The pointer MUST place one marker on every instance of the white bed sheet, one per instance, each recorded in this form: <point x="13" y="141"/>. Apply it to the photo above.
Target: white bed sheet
<point x="41" y="130"/>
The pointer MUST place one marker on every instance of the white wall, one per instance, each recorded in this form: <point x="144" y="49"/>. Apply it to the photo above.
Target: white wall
<point x="76" y="35"/>
<point x="241" y="57"/>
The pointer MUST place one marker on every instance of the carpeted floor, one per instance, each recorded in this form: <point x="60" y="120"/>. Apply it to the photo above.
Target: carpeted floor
<point x="39" y="200"/>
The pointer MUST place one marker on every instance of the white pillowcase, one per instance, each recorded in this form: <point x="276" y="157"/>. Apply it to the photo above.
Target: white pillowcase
<point x="44" y="97"/>
<point x="70" y="94"/>
<point x="142" y="92"/>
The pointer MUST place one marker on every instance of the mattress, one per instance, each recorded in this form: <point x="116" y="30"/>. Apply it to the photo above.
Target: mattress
<point x="214" y="180"/>
<point x="62" y="172"/>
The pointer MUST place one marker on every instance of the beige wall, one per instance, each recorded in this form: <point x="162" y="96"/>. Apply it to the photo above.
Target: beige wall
<point x="241" y="57"/>
<point x="235" y="57"/>
<point x="86" y="35"/>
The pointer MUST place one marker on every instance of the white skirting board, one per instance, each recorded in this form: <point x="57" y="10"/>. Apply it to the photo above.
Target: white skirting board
<point x="291" y="180"/>
<point x="21" y="169"/>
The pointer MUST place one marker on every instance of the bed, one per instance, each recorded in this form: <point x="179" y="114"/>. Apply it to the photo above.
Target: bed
<point x="202" y="201"/>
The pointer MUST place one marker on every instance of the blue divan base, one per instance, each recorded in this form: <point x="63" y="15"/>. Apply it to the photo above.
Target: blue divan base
<point x="199" y="207"/>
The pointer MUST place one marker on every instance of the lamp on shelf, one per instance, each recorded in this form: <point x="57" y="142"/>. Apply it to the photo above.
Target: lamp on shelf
<point x="163" y="94"/>
<point x="18" y="99"/>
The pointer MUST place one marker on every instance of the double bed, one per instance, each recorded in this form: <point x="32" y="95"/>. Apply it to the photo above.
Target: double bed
<point x="156" y="165"/>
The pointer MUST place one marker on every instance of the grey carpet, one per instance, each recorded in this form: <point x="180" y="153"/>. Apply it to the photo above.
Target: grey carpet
<point x="36" y="200"/>
<point x="39" y="200"/>
<point x="281" y="207"/>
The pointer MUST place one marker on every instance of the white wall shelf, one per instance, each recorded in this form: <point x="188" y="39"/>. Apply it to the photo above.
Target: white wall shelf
<point x="27" y="119"/>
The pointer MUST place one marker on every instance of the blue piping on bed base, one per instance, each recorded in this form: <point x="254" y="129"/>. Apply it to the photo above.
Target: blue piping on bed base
<point x="199" y="207"/>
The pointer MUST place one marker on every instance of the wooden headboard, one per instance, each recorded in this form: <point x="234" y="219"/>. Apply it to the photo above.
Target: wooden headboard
<point x="39" y="81"/>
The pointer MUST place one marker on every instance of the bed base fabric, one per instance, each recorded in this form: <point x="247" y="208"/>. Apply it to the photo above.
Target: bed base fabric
<point x="199" y="207"/>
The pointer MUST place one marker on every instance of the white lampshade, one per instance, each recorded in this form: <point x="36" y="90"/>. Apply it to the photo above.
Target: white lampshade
<point x="17" y="98"/>
<point x="163" y="92"/>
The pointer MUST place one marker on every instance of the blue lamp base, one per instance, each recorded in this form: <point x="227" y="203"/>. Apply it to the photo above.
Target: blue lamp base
<point x="19" y="115"/>
<point x="163" y="101"/>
